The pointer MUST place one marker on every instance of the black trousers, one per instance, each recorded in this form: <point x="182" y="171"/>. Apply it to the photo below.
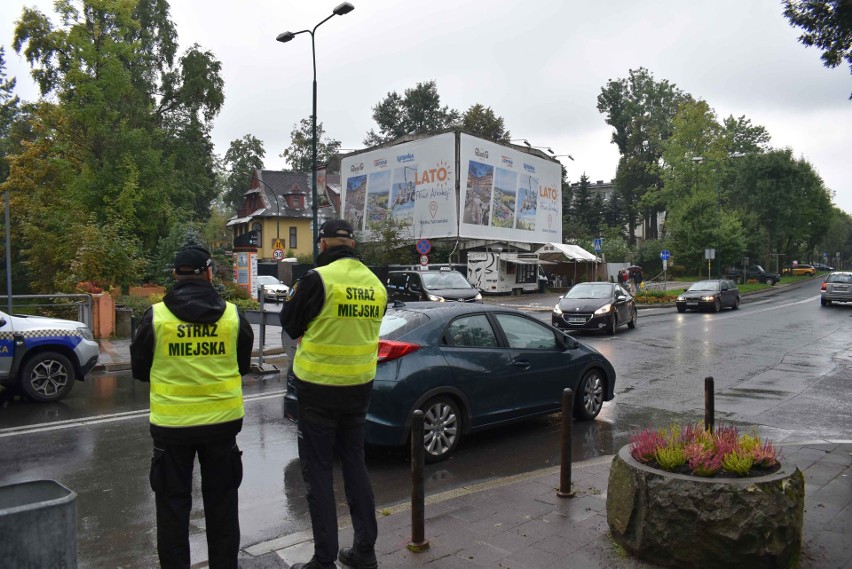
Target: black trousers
<point x="318" y="445"/>
<point x="171" y="481"/>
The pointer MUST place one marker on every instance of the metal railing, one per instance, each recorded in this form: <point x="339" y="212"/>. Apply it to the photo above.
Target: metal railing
<point x="63" y="306"/>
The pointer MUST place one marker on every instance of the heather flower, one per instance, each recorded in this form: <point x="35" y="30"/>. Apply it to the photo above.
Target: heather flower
<point x="764" y="456"/>
<point x="644" y="445"/>
<point x="705" y="453"/>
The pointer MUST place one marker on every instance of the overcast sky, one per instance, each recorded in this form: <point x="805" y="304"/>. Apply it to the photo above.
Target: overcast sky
<point x="540" y="64"/>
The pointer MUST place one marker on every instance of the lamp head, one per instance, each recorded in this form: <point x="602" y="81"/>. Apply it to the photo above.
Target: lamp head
<point x="284" y="37"/>
<point x="344" y="8"/>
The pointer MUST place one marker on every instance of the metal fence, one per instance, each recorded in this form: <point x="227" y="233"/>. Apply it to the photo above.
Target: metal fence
<point x="69" y="306"/>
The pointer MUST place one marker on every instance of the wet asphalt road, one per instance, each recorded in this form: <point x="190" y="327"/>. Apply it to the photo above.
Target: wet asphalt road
<point x="781" y="362"/>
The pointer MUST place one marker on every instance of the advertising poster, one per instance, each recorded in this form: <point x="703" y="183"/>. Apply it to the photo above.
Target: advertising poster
<point x="508" y="195"/>
<point x="245" y="270"/>
<point x="414" y="183"/>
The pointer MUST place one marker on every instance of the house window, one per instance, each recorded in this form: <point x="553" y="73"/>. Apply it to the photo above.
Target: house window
<point x="259" y="229"/>
<point x="293" y="242"/>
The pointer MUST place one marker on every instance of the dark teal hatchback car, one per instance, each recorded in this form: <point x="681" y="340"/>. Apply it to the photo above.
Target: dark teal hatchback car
<point x="470" y="367"/>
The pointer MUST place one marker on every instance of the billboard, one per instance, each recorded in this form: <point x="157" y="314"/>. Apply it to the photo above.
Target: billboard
<point x="508" y="195"/>
<point x="490" y="191"/>
<point x="413" y="182"/>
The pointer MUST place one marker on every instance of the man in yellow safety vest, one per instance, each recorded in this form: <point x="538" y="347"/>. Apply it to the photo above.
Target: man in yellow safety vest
<point x="193" y="348"/>
<point x="336" y="309"/>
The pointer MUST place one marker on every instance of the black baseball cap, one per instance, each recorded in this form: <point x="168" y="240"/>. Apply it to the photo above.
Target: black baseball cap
<point x="192" y="260"/>
<point x="335" y="228"/>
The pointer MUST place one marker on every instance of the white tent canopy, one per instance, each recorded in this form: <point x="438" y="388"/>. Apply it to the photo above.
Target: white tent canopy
<point x="561" y="252"/>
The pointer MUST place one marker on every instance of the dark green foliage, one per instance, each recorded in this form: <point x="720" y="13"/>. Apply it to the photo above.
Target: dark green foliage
<point x="827" y="24"/>
<point x="299" y="154"/>
<point x="125" y="136"/>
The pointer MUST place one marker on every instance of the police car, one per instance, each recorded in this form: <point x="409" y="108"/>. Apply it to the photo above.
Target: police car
<point x="44" y="356"/>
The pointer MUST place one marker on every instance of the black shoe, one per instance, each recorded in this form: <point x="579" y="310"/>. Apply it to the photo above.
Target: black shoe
<point x="312" y="564"/>
<point x="358" y="559"/>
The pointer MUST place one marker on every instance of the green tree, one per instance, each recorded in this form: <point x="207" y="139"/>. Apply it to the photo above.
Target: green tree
<point x="299" y="154"/>
<point x="785" y="196"/>
<point x="243" y="157"/>
<point x="640" y="110"/>
<point x="125" y="133"/>
<point x="481" y="121"/>
<point x="9" y="110"/>
<point x="418" y="111"/>
<point x="581" y="207"/>
<point x="699" y="224"/>
<point x="827" y="24"/>
<point x="388" y="245"/>
<point x="105" y="255"/>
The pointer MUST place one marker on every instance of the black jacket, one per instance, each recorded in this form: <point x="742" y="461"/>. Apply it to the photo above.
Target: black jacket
<point x="197" y="302"/>
<point x="303" y="304"/>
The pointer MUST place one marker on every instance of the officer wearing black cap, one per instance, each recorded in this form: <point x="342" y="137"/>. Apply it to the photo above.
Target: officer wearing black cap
<point x="336" y="310"/>
<point x="193" y="348"/>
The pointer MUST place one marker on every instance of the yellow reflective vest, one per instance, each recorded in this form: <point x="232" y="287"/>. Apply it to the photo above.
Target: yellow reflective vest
<point x="341" y="344"/>
<point x="195" y="378"/>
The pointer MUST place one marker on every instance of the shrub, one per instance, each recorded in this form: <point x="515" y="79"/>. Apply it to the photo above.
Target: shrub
<point x="702" y="452"/>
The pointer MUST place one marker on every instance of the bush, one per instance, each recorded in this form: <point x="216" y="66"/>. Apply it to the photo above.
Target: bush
<point x="246" y="304"/>
<point x="703" y="453"/>
<point x="138" y="304"/>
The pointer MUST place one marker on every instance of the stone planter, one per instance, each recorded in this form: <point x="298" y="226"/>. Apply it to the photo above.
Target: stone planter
<point x="678" y="520"/>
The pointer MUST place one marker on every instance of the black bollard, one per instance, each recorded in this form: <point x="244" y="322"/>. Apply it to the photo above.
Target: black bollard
<point x="565" y="490"/>
<point x="709" y="404"/>
<point x="418" y="496"/>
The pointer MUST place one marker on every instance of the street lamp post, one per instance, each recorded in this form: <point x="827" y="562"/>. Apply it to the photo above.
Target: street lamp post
<point x="284" y="37"/>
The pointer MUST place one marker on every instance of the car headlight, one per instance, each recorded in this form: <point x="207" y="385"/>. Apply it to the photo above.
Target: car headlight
<point x="680" y="299"/>
<point x="478" y="297"/>
<point x="86" y="333"/>
<point x="708" y="298"/>
<point x="557" y="310"/>
<point x="604" y="309"/>
<point x="435" y="298"/>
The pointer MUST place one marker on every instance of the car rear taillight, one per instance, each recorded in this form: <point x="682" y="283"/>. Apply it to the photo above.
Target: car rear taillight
<point x="391" y="350"/>
<point x="824" y="286"/>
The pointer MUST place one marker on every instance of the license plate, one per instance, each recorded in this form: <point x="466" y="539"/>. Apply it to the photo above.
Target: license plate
<point x="577" y="320"/>
<point x="692" y="303"/>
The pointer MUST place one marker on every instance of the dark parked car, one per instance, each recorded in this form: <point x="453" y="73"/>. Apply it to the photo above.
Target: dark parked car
<point x="595" y="306"/>
<point x="436" y="286"/>
<point x="752" y="273"/>
<point x="470" y="367"/>
<point x="822" y="267"/>
<point x="712" y="295"/>
<point x="837" y="287"/>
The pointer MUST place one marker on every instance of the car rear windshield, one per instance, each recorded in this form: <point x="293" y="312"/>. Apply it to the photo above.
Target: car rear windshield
<point x="398" y="322"/>
<point x="839" y="278"/>
<point x="448" y="279"/>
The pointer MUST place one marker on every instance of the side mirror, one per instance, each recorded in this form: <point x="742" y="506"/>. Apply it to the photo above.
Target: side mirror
<point x="413" y="287"/>
<point x="568" y="342"/>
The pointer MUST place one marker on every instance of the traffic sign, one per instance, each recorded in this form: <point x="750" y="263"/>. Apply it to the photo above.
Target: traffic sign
<point x="664" y="255"/>
<point x="278" y="254"/>
<point x="598" y="243"/>
<point x="424" y="260"/>
<point x="423" y="246"/>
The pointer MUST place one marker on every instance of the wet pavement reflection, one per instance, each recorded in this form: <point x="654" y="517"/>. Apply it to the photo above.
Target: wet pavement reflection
<point x="789" y="381"/>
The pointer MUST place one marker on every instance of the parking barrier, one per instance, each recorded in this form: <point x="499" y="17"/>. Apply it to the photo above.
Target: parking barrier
<point x="418" y="495"/>
<point x="565" y="490"/>
<point x="709" y="404"/>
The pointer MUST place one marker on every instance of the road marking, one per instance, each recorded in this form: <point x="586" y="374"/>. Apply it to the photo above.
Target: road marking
<point x="111" y="418"/>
